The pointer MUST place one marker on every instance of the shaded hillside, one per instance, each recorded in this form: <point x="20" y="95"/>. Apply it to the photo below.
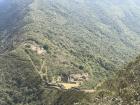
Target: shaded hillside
<point x="124" y="89"/>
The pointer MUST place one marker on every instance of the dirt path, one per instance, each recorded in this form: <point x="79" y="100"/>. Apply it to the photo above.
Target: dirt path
<point x="42" y="66"/>
<point x="72" y="85"/>
<point x="69" y="85"/>
<point x="89" y="91"/>
<point x="34" y="66"/>
<point x="38" y="70"/>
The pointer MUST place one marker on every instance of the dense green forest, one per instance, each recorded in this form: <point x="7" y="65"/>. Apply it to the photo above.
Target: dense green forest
<point x="51" y="41"/>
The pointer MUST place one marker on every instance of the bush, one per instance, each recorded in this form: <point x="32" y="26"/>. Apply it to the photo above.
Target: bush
<point x="81" y="67"/>
<point x="46" y="47"/>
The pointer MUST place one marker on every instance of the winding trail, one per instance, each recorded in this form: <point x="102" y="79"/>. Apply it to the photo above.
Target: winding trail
<point x="42" y="66"/>
<point x="34" y="66"/>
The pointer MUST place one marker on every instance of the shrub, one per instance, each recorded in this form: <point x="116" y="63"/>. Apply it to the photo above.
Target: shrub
<point x="81" y="67"/>
<point x="46" y="47"/>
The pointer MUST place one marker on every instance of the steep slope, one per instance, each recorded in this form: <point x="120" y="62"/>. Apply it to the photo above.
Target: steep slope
<point x="124" y="89"/>
<point x="43" y="39"/>
<point x="77" y="33"/>
<point x="19" y="83"/>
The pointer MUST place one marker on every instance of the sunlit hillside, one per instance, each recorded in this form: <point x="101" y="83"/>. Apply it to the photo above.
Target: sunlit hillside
<point x="50" y="48"/>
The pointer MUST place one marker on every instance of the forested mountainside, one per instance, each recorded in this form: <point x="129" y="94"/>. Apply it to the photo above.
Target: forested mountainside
<point x="123" y="89"/>
<point x="48" y="42"/>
